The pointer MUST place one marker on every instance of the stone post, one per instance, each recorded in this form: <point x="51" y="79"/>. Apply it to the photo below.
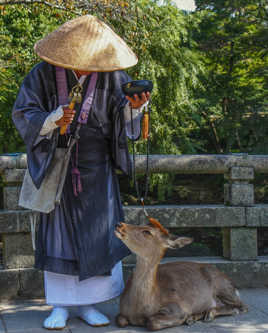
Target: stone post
<point x="239" y="243"/>
<point x="12" y="179"/>
<point x="17" y="245"/>
<point x="238" y="191"/>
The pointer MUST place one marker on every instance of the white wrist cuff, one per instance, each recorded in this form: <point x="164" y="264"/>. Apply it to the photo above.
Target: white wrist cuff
<point x="50" y="122"/>
<point x="135" y="112"/>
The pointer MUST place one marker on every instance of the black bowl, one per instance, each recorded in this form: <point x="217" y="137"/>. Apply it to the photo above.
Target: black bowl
<point x="137" y="87"/>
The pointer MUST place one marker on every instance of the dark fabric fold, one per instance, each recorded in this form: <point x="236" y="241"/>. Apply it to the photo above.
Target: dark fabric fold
<point x="78" y="237"/>
<point x="37" y="97"/>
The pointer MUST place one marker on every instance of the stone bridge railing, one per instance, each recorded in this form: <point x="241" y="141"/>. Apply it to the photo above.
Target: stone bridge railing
<point x="238" y="217"/>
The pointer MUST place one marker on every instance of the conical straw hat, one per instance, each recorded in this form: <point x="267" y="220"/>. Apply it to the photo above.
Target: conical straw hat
<point x="86" y="44"/>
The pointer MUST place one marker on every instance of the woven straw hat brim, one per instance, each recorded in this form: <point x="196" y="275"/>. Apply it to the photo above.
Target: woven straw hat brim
<point x="87" y="44"/>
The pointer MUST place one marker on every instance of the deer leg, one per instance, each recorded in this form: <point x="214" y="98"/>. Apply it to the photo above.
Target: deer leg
<point x="168" y="316"/>
<point x="224" y="289"/>
<point x="220" y="311"/>
<point x="230" y="297"/>
<point x="121" y="321"/>
<point x="194" y="318"/>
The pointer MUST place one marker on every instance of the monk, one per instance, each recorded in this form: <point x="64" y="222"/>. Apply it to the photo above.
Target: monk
<point x="76" y="246"/>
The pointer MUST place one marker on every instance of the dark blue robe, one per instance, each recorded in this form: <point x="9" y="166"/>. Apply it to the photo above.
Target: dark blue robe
<point x="78" y="237"/>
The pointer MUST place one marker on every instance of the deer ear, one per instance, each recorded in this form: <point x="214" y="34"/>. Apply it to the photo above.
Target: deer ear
<point x="179" y="242"/>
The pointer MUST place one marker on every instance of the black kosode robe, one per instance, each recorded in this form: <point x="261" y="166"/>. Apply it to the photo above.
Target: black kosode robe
<point x="77" y="238"/>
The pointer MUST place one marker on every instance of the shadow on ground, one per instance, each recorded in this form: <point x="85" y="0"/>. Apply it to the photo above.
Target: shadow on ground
<point x="27" y="317"/>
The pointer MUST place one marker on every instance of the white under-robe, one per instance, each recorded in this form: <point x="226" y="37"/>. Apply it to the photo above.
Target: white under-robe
<point x="67" y="290"/>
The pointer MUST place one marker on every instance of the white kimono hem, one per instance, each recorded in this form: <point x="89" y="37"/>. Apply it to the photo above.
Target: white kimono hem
<point x="67" y="290"/>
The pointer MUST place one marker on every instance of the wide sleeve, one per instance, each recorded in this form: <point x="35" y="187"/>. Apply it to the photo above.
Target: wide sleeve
<point x="118" y="102"/>
<point x="37" y="97"/>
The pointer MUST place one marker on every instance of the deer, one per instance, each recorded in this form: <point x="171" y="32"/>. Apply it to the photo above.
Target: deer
<point x="159" y="296"/>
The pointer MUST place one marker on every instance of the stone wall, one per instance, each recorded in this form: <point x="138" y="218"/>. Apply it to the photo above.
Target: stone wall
<point x="239" y="219"/>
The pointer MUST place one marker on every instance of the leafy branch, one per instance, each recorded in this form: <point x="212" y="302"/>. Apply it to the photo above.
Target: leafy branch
<point x="77" y="7"/>
<point x="51" y="4"/>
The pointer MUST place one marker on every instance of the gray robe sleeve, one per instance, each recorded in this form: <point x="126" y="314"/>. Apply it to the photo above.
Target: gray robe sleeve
<point x="37" y="97"/>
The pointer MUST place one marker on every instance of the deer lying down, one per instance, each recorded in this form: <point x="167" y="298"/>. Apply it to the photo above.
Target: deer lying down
<point x="159" y="296"/>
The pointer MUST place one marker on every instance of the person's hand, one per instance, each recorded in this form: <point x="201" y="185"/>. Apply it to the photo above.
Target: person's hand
<point x="67" y="117"/>
<point x="136" y="102"/>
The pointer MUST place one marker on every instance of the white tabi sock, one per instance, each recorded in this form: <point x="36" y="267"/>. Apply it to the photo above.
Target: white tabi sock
<point x="92" y="316"/>
<point x="57" y="319"/>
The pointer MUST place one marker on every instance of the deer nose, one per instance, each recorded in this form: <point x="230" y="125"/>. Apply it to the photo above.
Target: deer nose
<point x="118" y="224"/>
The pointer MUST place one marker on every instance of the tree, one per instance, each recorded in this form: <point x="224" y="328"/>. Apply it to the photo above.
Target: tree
<point x="233" y="36"/>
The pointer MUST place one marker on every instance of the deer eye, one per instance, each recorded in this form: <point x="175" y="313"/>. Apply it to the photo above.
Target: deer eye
<point x="146" y="233"/>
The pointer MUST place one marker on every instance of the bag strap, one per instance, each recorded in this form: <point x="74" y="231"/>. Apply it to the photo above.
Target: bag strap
<point x="88" y="99"/>
<point x="62" y="90"/>
<point x="82" y="119"/>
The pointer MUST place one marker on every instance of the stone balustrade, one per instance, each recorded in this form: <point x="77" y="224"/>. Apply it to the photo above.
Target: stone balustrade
<point x="239" y="217"/>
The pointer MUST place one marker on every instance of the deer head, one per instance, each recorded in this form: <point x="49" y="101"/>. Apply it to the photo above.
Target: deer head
<point x="149" y="242"/>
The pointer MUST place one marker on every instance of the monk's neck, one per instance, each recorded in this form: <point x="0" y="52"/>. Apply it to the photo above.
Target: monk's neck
<point x="80" y="73"/>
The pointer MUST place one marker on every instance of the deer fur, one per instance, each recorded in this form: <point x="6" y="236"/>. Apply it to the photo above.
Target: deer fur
<point x="160" y="296"/>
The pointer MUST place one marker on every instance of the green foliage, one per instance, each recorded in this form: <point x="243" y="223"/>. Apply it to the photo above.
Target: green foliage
<point x="233" y="36"/>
